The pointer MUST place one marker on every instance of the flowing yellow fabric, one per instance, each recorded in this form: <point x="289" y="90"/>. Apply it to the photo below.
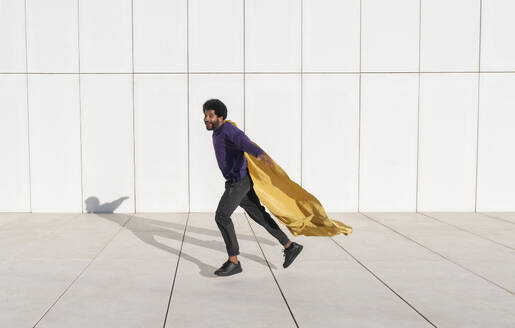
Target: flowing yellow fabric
<point x="296" y="208"/>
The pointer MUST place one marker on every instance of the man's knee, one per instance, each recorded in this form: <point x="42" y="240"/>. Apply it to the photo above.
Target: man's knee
<point x="221" y="217"/>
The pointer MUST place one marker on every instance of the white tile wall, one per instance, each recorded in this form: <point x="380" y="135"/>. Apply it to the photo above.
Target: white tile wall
<point x="390" y="34"/>
<point x="105" y="36"/>
<point x="330" y="140"/>
<point x="273" y="120"/>
<point x="55" y="145"/>
<point x="450" y="35"/>
<point x="496" y="176"/>
<point x="107" y="142"/>
<point x="272" y="36"/>
<point x="161" y="136"/>
<point x="216" y="36"/>
<point x="272" y="42"/>
<point x="447" y="142"/>
<point x="160" y="36"/>
<point x="52" y="36"/>
<point x="206" y="179"/>
<point x="331" y="35"/>
<point x="388" y="155"/>
<point x="12" y="36"/>
<point x="497" y="26"/>
<point x="14" y="166"/>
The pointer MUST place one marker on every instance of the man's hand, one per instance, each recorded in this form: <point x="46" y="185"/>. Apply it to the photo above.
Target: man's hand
<point x="266" y="159"/>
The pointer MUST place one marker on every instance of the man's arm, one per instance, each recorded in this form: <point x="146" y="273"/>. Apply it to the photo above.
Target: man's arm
<point x="242" y="142"/>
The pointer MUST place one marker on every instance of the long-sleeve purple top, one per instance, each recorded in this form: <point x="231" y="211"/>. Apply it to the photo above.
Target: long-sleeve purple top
<point x="230" y="143"/>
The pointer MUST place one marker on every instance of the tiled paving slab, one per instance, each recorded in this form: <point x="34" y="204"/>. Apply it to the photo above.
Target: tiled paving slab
<point x="506" y="216"/>
<point x="497" y="231"/>
<point x="449" y="295"/>
<point x="325" y="287"/>
<point x="201" y="299"/>
<point x="23" y="230"/>
<point x="128" y="284"/>
<point x="118" y="270"/>
<point x="493" y="262"/>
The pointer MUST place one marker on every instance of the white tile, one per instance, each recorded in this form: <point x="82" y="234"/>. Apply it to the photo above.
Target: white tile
<point x="128" y="293"/>
<point x="105" y="36"/>
<point x="450" y="35"/>
<point x="273" y="120"/>
<point x="7" y="218"/>
<point x="272" y="36"/>
<point x="502" y="216"/>
<point x="330" y="35"/>
<point x="107" y="142"/>
<point x="216" y="36"/>
<point x="495" y="230"/>
<point x="40" y="222"/>
<point x="248" y="299"/>
<point x="368" y="234"/>
<point x="455" y="245"/>
<point x="206" y="179"/>
<point x="447" y="142"/>
<point x="448" y="295"/>
<point x="14" y="166"/>
<point x="160" y="34"/>
<point x="20" y="235"/>
<point x="55" y="160"/>
<point x="12" y="36"/>
<point x="390" y="31"/>
<point x="52" y="36"/>
<point x="388" y="152"/>
<point x="497" y="25"/>
<point x="330" y="140"/>
<point x="29" y="288"/>
<point x="343" y="300"/>
<point x="496" y="177"/>
<point x="161" y="130"/>
<point x="66" y="245"/>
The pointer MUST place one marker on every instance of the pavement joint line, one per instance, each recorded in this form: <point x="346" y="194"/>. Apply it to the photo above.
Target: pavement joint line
<point x="496" y="218"/>
<point x="271" y="271"/>
<point x="466" y="230"/>
<point x="85" y="268"/>
<point x="384" y="283"/>
<point x="441" y="255"/>
<point x="176" y="268"/>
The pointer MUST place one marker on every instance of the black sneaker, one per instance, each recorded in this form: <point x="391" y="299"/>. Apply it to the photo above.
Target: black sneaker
<point x="291" y="253"/>
<point x="229" y="268"/>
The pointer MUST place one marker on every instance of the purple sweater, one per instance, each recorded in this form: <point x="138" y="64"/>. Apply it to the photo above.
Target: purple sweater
<point x="230" y="143"/>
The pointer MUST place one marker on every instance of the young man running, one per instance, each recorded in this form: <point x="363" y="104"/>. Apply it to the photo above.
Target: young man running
<point x="230" y="143"/>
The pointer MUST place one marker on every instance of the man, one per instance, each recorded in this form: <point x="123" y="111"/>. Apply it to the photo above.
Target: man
<point x="230" y="143"/>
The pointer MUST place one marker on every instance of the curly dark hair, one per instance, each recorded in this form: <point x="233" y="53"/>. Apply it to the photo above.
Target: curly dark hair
<point x="217" y="105"/>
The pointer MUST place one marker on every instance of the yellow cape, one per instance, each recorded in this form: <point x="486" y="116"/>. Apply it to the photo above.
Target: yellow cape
<point x="296" y="208"/>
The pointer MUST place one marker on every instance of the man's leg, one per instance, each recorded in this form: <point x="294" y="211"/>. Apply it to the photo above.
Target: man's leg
<point x="251" y="204"/>
<point x="234" y="193"/>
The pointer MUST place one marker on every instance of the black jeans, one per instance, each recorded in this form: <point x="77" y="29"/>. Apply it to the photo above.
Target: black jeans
<point x="241" y="193"/>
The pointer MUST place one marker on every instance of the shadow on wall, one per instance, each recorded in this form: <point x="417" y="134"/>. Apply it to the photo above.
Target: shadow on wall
<point x="93" y="205"/>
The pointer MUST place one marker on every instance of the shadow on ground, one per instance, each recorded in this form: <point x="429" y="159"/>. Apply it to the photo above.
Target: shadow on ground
<point x="147" y="229"/>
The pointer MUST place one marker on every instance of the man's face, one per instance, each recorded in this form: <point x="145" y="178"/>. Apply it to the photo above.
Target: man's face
<point x="212" y="121"/>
